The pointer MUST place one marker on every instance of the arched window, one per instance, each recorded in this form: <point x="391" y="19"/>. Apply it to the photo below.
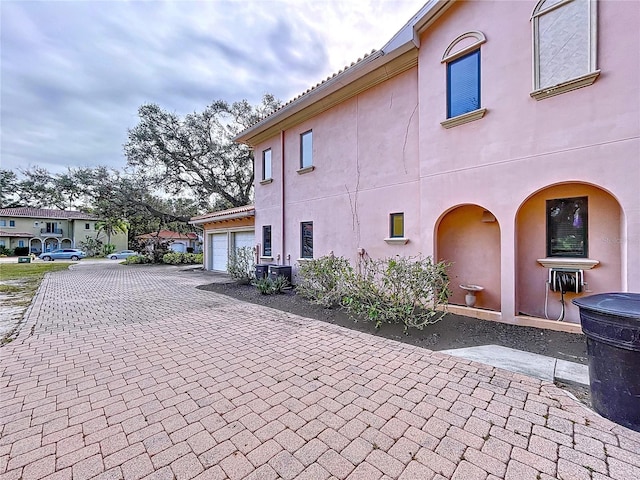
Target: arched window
<point x="462" y="58"/>
<point x="564" y="46"/>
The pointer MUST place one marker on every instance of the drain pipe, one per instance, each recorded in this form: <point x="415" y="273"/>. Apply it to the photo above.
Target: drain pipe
<point x="282" y="229"/>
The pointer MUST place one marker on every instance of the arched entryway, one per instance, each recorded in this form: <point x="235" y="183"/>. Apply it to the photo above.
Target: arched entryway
<point x="468" y="236"/>
<point x="50" y="244"/>
<point x="35" y="245"/>
<point x="593" y="223"/>
<point x="66" y="243"/>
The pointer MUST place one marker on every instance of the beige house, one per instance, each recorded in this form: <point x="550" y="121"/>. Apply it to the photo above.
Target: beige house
<point x="43" y="230"/>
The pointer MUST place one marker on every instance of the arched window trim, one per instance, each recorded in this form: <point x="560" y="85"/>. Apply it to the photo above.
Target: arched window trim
<point x="574" y="83"/>
<point x="449" y="54"/>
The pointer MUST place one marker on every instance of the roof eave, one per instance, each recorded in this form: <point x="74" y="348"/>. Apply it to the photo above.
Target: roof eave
<point x="221" y="218"/>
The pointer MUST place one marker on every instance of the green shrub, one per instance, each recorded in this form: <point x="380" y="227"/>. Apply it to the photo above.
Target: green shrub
<point x="137" y="260"/>
<point x="322" y="280"/>
<point x="267" y="286"/>
<point x="241" y="265"/>
<point x="4" y="251"/>
<point x="21" y="251"/>
<point x="108" y="249"/>
<point x="179" y="258"/>
<point x="407" y="290"/>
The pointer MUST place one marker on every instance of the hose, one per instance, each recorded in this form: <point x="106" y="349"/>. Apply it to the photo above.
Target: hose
<point x="546" y="302"/>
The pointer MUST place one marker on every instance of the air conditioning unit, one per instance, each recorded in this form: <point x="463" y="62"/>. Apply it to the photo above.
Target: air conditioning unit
<point x="566" y="280"/>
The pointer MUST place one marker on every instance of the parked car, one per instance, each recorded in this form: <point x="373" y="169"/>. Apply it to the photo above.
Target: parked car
<point x="63" y="254"/>
<point x="122" y="254"/>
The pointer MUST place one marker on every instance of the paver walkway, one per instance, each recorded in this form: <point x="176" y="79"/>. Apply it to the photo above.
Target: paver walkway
<point x="132" y="373"/>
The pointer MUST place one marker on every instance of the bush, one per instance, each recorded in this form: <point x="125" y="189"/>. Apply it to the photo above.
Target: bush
<point x="4" y="251"/>
<point x="407" y="290"/>
<point x="137" y="260"/>
<point x="267" y="286"/>
<point x="108" y="248"/>
<point x="322" y="280"/>
<point x="21" y="251"/>
<point x="241" y="265"/>
<point x="179" y="258"/>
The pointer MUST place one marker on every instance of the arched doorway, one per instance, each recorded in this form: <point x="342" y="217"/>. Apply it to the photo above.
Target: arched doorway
<point x="596" y="235"/>
<point x="468" y="236"/>
<point x="50" y="244"/>
<point x="35" y="245"/>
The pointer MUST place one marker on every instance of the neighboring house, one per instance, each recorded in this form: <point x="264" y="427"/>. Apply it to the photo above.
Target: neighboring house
<point x="502" y="137"/>
<point x="43" y="230"/>
<point x="176" y="241"/>
<point x="225" y="231"/>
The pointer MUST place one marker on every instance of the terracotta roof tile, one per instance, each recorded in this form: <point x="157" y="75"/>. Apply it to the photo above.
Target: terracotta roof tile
<point x="16" y="234"/>
<point x="236" y="211"/>
<point x="46" y="213"/>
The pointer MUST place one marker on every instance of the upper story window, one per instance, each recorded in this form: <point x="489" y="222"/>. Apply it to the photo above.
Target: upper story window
<point x="462" y="58"/>
<point x="266" y="165"/>
<point x="12" y="223"/>
<point x="564" y="46"/>
<point x="266" y="240"/>
<point x="306" y="150"/>
<point x="306" y="240"/>
<point x="567" y="227"/>
<point x="87" y="226"/>
<point x="3" y="223"/>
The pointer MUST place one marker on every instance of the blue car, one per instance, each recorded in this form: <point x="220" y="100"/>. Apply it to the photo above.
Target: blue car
<point x="63" y="254"/>
<point x="122" y="254"/>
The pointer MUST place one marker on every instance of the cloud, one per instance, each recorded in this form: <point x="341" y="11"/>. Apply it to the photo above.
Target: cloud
<point x="75" y="72"/>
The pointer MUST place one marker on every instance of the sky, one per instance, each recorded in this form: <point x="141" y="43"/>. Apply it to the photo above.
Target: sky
<point x="74" y="72"/>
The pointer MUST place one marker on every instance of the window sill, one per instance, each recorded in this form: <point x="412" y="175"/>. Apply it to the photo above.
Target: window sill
<point x="397" y="241"/>
<point x="568" y="262"/>
<point x="564" y="87"/>
<point x="268" y="259"/>
<point x="266" y="181"/>
<point x="304" y="170"/>
<point x="303" y="260"/>
<point x="464" y="118"/>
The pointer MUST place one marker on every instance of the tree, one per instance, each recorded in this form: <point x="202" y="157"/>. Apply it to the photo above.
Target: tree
<point x="196" y="154"/>
<point x="111" y="226"/>
<point x="8" y="189"/>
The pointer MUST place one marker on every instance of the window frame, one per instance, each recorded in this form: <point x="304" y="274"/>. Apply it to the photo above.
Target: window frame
<point x="264" y="164"/>
<point x="551" y="235"/>
<point x="581" y="80"/>
<point x="266" y="253"/>
<point x="478" y="85"/>
<point x="3" y="223"/>
<point x="303" y="135"/>
<point x="392" y="231"/>
<point x="306" y="256"/>
<point x="12" y="224"/>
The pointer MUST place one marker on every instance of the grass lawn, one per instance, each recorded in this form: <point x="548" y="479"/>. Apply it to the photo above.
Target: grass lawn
<point x="18" y="285"/>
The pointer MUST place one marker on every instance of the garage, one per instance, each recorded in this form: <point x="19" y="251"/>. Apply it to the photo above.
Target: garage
<point x="225" y="231"/>
<point x="219" y="251"/>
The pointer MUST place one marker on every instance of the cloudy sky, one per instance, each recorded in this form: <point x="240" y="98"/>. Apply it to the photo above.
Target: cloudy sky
<point x="73" y="73"/>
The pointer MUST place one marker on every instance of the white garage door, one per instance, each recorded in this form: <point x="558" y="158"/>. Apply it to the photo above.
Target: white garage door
<point x="243" y="239"/>
<point x="219" y="252"/>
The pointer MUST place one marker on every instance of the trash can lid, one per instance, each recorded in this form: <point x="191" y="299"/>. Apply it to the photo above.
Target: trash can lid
<point x="621" y="304"/>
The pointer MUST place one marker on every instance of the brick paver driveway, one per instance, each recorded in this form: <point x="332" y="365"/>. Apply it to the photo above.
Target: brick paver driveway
<point x="143" y="376"/>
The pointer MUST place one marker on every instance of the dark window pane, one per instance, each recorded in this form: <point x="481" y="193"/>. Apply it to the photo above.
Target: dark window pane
<point x="307" y="239"/>
<point x="463" y="78"/>
<point x="266" y="240"/>
<point x="567" y="227"/>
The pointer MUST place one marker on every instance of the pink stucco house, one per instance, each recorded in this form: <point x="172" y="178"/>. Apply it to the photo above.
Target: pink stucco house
<point x="503" y="137"/>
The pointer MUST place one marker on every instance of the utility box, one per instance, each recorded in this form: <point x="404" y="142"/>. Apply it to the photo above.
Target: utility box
<point x="24" y="259"/>
<point x="262" y="270"/>
<point x="280" y="271"/>
<point x="611" y="323"/>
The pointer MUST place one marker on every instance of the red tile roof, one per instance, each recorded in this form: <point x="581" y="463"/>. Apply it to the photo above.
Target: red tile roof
<point x="236" y="212"/>
<point x="46" y="213"/>
<point x="169" y="235"/>
<point x="16" y="234"/>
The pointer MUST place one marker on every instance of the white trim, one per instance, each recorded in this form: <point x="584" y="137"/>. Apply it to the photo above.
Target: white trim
<point x="568" y="262"/>
<point x="464" y="118"/>
<point x="397" y="240"/>
<point x="304" y="170"/>
<point x="480" y="39"/>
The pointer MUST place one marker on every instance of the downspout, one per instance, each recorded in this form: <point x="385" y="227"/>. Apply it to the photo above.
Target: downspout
<point x="282" y="182"/>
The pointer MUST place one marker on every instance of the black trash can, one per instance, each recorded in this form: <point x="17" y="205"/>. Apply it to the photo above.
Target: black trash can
<point x="262" y="270"/>
<point x="280" y="271"/>
<point x="611" y="323"/>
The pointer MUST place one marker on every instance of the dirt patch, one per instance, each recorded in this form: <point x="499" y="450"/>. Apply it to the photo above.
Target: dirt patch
<point x="453" y="331"/>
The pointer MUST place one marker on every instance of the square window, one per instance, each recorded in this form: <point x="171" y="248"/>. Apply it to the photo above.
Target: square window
<point x="306" y="149"/>
<point x="21" y="243"/>
<point x="12" y="223"/>
<point x="396" y="225"/>
<point x="306" y="235"/>
<point x="266" y="240"/>
<point x="3" y="223"/>
<point x="266" y="164"/>
<point x="463" y="84"/>
<point x="87" y="226"/>
<point x="567" y="227"/>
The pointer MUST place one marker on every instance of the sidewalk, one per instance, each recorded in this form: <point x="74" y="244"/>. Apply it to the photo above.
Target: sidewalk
<point x="133" y="373"/>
